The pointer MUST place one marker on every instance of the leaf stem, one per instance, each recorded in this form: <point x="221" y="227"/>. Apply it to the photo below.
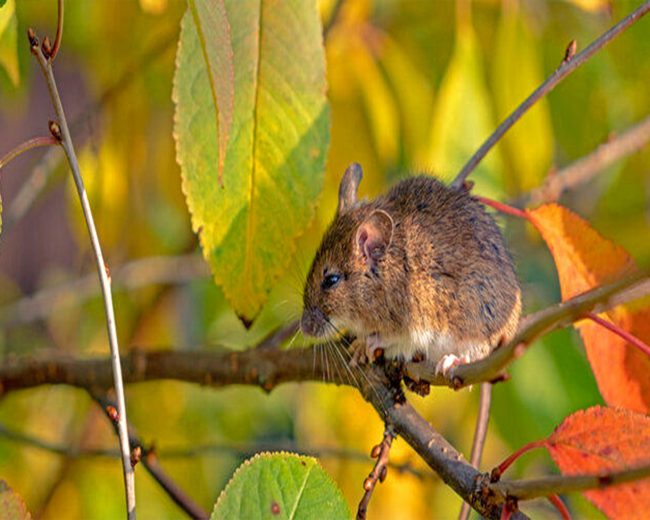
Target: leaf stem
<point x="559" y="505"/>
<point x="36" y="142"/>
<point x="504" y="208"/>
<point x="633" y="340"/>
<point x="496" y="473"/>
<point x="68" y="147"/>
<point x="566" y="68"/>
<point x="59" y="31"/>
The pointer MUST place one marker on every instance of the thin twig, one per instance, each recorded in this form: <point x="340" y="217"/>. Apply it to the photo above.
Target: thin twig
<point x="243" y="450"/>
<point x="59" y="31"/>
<point x="566" y="68"/>
<point x="632" y="340"/>
<point x="66" y="142"/>
<point x="35" y="142"/>
<point x="149" y="460"/>
<point x="380" y="452"/>
<point x="156" y="270"/>
<point x="542" y="487"/>
<point x="480" y="433"/>
<point x="582" y="170"/>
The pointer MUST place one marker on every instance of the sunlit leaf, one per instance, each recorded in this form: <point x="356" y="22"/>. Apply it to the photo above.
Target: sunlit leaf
<point x="602" y="440"/>
<point x="462" y="117"/>
<point x="517" y="71"/>
<point x="12" y="506"/>
<point x="280" y="486"/>
<point x="584" y="259"/>
<point x="274" y="162"/>
<point x="9" y="40"/>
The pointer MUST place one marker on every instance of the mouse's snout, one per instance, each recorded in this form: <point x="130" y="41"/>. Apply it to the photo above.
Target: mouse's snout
<point x="313" y="322"/>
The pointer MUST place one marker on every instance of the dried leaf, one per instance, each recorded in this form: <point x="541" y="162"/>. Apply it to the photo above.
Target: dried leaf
<point x="584" y="259"/>
<point x="599" y="441"/>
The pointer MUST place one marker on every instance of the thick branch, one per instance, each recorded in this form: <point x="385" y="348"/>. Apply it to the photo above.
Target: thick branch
<point x="566" y="68"/>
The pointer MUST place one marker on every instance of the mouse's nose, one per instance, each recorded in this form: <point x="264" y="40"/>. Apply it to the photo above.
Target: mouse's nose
<point x="311" y="322"/>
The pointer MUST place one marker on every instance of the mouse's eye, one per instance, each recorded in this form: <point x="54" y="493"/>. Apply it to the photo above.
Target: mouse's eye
<point x="331" y="280"/>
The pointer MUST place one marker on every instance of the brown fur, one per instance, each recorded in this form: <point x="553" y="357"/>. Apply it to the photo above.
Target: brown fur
<point x="445" y="282"/>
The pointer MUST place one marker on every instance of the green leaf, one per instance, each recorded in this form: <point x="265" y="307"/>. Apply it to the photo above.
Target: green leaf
<point x="9" y="40"/>
<point x="280" y="486"/>
<point x="250" y="216"/>
<point x="463" y="118"/>
<point x="12" y="506"/>
<point x="517" y="72"/>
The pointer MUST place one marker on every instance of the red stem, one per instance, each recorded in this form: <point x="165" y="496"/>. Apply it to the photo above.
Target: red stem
<point x="559" y="505"/>
<point x="620" y="332"/>
<point x="59" y="31"/>
<point x="504" y="208"/>
<point x="501" y="468"/>
<point x="24" y="147"/>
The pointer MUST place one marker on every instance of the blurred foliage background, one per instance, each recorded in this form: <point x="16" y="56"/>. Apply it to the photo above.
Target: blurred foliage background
<point x="414" y="85"/>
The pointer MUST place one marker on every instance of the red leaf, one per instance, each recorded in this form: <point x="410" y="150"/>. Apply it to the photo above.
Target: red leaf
<point x="599" y="441"/>
<point x="584" y="259"/>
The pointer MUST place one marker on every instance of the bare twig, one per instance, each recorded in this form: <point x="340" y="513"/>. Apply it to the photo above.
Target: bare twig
<point x="380" y="452"/>
<point x="480" y="434"/>
<point x="155" y="270"/>
<point x="557" y="484"/>
<point x="66" y="142"/>
<point x="566" y="68"/>
<point x="36" y="142"/>
<point x="585" y="168"/>
<point x="149" y="460"/>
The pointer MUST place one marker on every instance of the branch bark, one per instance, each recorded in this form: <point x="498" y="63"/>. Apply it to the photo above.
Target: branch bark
<point x="60" y="130"/>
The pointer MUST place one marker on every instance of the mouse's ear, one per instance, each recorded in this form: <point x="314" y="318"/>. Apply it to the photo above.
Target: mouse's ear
<point x="349" y="186"/>
<point x="373" y="237"/>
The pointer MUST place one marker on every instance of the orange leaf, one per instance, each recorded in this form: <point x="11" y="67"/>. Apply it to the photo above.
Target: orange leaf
<point x="599" y="441"/>
<point x="584" y="259"/>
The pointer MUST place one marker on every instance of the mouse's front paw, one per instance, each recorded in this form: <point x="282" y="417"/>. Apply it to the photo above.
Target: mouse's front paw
<point x="449" y="361"/>
<point x="366" y="350"/>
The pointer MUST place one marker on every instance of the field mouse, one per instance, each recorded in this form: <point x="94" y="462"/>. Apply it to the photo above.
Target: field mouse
<point x="422" y="273"/>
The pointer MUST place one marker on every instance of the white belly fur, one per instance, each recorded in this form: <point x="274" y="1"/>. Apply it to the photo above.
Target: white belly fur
<point x="433" y="344"/>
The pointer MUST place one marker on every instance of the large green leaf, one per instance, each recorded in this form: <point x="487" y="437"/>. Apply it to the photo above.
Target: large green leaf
<point x="463" y="118"/>
<point x="12" y="506"/>
<point x="517" y="72"/>
<point x="279" y="486"/>
<point x="249" y="217"/>
<point x="9" y="40"/>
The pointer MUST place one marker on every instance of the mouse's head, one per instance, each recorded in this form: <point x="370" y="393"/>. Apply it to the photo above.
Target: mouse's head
<point x="343" y="285"/>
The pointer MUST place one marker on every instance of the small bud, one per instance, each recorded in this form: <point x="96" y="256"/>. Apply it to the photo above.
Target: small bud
<point x="112" y="413"/>
<point x="495" y="475"/>
<point x="468" y="185"/>
<point x="275" y="508"/>
<point x="136" y="455"/>
<point x="368" y="484"/>
<point x="108" y="271"/>
<point x="55" y="130"/>
<point x="46" y="47"/>
<point x="376" y="450"/>
<point x="570" y="51"/>
<point x="383" y="473"/>
<point x="31" y="36"/>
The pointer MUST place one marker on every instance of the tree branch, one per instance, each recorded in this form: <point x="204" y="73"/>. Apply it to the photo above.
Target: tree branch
<point x="60" y="130"/>
<point x="543" y="487"/>
<point x="132" y="275"/>
<point x="579" y="172"/>
<point x="566" y="68"/>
